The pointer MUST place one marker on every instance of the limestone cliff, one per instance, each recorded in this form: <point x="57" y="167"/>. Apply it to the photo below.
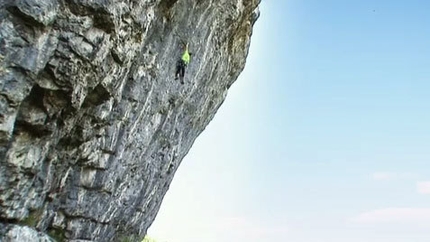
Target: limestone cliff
<point x="92" y="123"/>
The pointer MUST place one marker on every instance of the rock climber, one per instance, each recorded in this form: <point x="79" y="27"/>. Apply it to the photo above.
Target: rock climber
<point x="182" y="64"/>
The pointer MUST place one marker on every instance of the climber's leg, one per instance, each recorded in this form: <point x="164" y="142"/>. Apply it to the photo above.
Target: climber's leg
<point x="178" y="69"/>
<point x="182" y="73"/>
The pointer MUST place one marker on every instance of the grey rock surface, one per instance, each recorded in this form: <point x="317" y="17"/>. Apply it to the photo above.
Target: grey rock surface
<point x="93" y="125"/>
<point x="24" y="233"/>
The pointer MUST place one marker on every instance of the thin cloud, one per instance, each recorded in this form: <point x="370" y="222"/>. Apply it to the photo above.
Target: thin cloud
<point x="390" y="176"/>
<point x="423" y="187"/>
<point x="249" y="227"/>
<point x="419" y="216"/>
<point x="384" y="176"/>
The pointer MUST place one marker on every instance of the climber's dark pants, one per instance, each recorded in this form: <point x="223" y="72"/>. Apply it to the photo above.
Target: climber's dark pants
<point x="180" y="68"/>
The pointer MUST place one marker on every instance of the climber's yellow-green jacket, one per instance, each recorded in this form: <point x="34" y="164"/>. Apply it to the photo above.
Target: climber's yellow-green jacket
<point x="186" y="56"/>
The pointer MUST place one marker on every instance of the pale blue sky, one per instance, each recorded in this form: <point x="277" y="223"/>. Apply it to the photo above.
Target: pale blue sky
<point x="325" y="137"/>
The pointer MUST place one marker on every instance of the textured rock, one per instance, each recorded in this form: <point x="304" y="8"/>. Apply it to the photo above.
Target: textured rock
<point x="24" y="233"/>
<point x="92" y="123"/>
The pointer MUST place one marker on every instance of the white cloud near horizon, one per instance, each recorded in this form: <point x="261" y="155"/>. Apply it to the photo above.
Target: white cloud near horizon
<point x="251" y="227"/>
<point x="390" y="176"/>
<point x="413" y="216"/>
<point x="423" y="187"/>
<point x="216" y="228"/>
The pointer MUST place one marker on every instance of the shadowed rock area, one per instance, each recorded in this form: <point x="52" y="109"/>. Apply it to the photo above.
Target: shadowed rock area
<point x="93" y="125"/>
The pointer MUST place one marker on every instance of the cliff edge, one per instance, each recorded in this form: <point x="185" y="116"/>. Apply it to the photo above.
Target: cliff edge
<point x="93" y="124"/>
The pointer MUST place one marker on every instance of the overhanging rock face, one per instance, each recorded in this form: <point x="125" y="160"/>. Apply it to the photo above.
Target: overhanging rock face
<point x="92" y="123"/>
